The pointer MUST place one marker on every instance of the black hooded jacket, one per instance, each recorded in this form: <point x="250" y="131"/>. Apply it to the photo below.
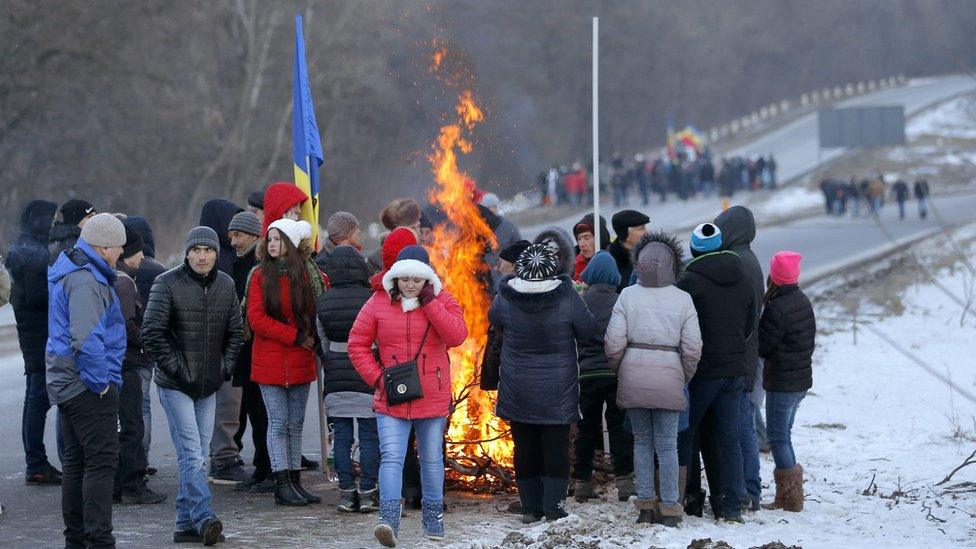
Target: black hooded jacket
<point x="787" y="335"/>
<point x="738" y="227"/>
<point x="150" y="268"/>
<point x="27" y="262"/>
<point x="216" y="214"/>
<point x="337" y="310"/>
<point x="726" y="310"/>
<point x="63" y="237"/>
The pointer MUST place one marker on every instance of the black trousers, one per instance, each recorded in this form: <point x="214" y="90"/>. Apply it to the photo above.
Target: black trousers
<point x="541" y="450"/>
<point x="91" y="455"/>
<point x="593" y="395"/>
<point x="252" y="407"/>
<point x="130" y="478"/>
<point x="705" y="450"/>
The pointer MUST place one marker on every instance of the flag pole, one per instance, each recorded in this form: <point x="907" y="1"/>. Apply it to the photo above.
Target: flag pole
<point x="327" y="471"/>
<point x="597" y="229"/>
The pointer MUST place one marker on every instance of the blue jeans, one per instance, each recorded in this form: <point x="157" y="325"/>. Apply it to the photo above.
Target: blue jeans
<point x="780" y="412"/>
<point x="752" y="483"/>
<point x="655" y="431"/>
<point x="286" y="419"/>
<point x="33" y="421"/>
<point x="394" y="433"/>
<point x="369" y="452"/>
<point x="146" y="374"/>
<point x="190" y="426"/>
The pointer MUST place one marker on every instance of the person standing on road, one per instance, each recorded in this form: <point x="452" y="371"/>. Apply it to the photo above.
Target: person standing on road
<point x="414" y="319"/>
<point x="281" y="313"/>
<point x="900" y="191"/>
<point x="787" y="333"/>
<point x="27" y="262"/>
<point x="85" y="349"/>
<point x="192" y="330"/>
<point x="922" y="196"/>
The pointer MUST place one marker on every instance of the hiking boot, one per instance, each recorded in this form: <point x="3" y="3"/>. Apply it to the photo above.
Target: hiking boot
<point x="48" y="477"/>
<point x="285" y="493"/>
<point x="145" y="497"/>
<point x="369" y="501"/>
<point x="625" y="487"/>
<point x="210" y="530"/>
<point x="191" y="536"/>
<point x="309" y="464"/>
<point x="385" y="530"/>
<point x="432" y="519"/>
<point x="348" y="501"/>
<point x="231" y="473"/>
<point x="296" y="481"/>
<point x="584" y="491"/>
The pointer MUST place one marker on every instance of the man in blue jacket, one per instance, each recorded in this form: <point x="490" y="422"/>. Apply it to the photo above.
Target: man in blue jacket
<point x="85" y="347"/>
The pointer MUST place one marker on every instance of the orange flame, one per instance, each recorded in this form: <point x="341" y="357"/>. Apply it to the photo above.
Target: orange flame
<point x="475" y="435"/>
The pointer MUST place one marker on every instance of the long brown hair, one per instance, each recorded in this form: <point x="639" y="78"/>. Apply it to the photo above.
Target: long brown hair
<point x="772" y="290"/>
<point x="290" y="263"/>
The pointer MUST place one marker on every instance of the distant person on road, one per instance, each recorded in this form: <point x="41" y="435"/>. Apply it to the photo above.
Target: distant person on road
<point x="876" y="193"/>
<point x="85" y="350"/>
<point x="922" y="196"/>
<point x="900" y="192"/>
<point x="853" y="193"/>
<point x="787" y="332"/>
<point x="27" y="262"/>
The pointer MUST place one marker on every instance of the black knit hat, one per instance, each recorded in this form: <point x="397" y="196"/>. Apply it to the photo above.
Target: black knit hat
<point x="512" y="252"/>
<point x="256" y="200"/>
<point x="626" y="219"/>
<point x="76" y="209"/>
<point x="133" y="243"/>
<point x="538" y="262"/>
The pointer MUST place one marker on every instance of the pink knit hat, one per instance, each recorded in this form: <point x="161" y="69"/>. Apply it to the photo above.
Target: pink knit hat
<point x="784" y="268"/>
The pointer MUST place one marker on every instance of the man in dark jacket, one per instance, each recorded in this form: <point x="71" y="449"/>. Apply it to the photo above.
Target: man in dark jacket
<point x="130" y="479"/>
<point x="726" y="310"/>
<point x="348" y="399"/>
<point x="226" y="465"/>
<point x="148" y="270"/>
<point x="27" y="263"/>
<point x="83" y="357"/>
<point x="64" y="233"/>
<point x="630" y="226"/>
<point x="598" y="388"/>
<point x="192" y="330"/>
<point x="585" y="235"/>
<point x="738" y="226"/>
<point x="343" y="230"/>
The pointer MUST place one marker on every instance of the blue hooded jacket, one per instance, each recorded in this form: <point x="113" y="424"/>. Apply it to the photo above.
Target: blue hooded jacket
<point x="86" y="334"/>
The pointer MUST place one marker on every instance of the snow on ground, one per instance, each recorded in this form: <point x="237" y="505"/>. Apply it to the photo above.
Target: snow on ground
<point x="955" y="118"/>
<point x="875" y="435"/>
<point x="788" y="202"/>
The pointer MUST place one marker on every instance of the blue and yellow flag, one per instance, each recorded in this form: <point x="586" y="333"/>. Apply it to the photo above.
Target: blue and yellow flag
<point x="305" y="135"/>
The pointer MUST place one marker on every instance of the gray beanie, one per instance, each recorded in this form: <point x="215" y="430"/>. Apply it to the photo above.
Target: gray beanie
<point x="341" y="225"/>
<point x="104" y="230"/>
<point x="245" y="222"/>
<point x="201" y="236"/>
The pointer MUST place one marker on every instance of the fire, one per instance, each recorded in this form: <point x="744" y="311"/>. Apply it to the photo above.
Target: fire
<point x="478" y="442"/>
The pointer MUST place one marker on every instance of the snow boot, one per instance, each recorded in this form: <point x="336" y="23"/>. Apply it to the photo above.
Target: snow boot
<point x="530" y="496"/>
<point x="583" y="491"/>
<point x="648" y="511"/>
<point x="432" y="518"/>
<point x="671" y="514"/>
<point x="284" y="493"/>
<point x="625" y="487"/>
<point x="296" y="481"/>
<point x="348" y="501"/>
<point x="789" y="489"/>
<point x="385" y="530"/>
<point x="553" y="496"/>
<point x="369" y="501"/>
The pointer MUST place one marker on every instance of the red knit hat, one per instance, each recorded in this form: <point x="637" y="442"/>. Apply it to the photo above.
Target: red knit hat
<point x="784" y="268"/>
<point x="278" y="199"/>
<point x="400" y="238"/>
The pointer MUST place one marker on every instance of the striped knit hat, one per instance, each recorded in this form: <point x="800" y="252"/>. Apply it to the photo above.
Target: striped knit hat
<point x="538" y="262"/>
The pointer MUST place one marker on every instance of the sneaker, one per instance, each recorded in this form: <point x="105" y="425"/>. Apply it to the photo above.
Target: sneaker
<point x="231" y="473"/>
<point x="44" y="478"/>
<point x="145" y="497"/>
<point x="309" y="464"/>
<point x="191" y="536"/>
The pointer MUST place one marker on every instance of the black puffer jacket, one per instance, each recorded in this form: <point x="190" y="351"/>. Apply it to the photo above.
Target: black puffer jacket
<point x="738" y="227"/>
<point x="593" y="362"/>
<point x="336" y="310"/>
<point x="192" y="330"/>
<point x="726" y="310"/>
<point x="27" y="263"/>
<point x="539" y="375"/>
<point x="787" y="333"/>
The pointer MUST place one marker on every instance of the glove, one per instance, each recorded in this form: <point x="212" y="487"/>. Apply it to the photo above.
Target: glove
<point x="427" y="294"/>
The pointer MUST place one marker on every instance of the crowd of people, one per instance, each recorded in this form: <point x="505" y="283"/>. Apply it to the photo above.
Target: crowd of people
<point x="681" y="176"/>
<point x="674" y="354"/>
<point x="842" y="196"/>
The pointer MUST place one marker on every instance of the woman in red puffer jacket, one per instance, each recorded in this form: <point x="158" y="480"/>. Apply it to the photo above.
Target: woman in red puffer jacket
<point x="413" y="308"/>
<point x="281" y="313"/>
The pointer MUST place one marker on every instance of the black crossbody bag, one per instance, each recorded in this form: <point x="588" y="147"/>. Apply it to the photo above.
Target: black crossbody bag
<point x="402" y="381"/>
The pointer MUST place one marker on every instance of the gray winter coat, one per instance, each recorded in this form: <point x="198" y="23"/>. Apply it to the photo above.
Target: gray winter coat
<point x="654" y="313"/>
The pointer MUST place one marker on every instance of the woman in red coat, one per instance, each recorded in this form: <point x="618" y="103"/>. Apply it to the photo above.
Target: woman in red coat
<point x="414" y="317"/>
<point x="281" y="313"/>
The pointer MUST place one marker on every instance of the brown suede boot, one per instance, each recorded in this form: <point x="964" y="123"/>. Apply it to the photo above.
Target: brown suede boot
<point x="789" y="489"/>
<point x="671" y="514"/>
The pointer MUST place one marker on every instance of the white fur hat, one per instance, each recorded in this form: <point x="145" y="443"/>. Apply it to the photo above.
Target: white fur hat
<point x="411" y="267"/>
<point x="296" y="231"/>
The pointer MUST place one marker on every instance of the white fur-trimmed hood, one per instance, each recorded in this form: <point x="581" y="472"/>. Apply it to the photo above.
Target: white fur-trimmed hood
<point x="411" y="267"/>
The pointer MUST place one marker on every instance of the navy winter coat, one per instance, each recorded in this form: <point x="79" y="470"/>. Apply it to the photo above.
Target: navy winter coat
<point x="539" y="374"/>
